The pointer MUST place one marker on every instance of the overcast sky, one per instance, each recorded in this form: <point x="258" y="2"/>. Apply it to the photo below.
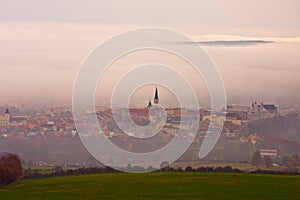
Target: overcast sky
<point x="255" y="44"/>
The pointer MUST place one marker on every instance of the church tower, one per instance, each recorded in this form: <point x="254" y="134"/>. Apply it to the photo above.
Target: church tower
<point x="149" y="104"/>
<point x="156" y="99"/>
<point x="7" y="116"/>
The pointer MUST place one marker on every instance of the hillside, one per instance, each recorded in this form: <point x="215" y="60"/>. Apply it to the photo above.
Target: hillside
<point x="158" y="185"/>
<point x="282" y="133"/>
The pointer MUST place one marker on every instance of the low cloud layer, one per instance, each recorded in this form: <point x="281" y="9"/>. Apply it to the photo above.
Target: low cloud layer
<point x="233" y="43"/>
<point x="39" y="61"/>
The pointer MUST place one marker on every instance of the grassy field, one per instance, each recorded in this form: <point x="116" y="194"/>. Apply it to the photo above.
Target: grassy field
<point x="157" y="185"/>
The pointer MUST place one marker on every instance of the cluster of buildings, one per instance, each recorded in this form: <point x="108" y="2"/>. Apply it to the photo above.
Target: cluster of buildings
<point x="53" y="123"/>
<point x="239" y="114"/>
<point x="59" y="121"/>
<point x="236" y="117"/>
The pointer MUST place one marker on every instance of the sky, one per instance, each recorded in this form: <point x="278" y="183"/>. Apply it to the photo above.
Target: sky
<point x="255" y="44"/>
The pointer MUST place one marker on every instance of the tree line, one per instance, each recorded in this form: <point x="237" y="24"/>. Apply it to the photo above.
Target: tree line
<point x="60" y="171"/>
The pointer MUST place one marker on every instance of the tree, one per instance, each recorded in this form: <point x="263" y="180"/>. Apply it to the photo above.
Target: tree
<point x="10" y="168"/>
<point x="268" y="162"/>
<point x="285" y="161"/>
<point x="295" y="161"/>
<point x="291" y="162"/>
<point x="164" y="166"/>
<point x="58" y="170"/>
<point x="188" y="169"/>
<point x="256" y="159"/>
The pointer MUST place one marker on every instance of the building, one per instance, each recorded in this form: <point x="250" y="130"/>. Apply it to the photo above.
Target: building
<point x="149" y="104"/>
<point x="243" y="113"/>
<point x="237" y="112"/>
<point x="269" y="110"/>
<point x="157" y="112"/>
<point x="259" y="111"/>
<point x="272" y="153"/>
<point x="5" y="118"/>
<point x="156" y="99"/>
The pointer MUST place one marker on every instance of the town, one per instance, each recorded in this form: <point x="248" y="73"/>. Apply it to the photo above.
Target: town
<point x="20" y="123"/>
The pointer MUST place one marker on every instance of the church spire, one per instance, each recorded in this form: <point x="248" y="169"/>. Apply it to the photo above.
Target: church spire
<point x="156" y="99"/>
<point x="149" y="104"/>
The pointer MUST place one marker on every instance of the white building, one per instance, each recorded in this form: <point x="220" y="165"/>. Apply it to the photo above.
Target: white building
<point x="272" y="153"/>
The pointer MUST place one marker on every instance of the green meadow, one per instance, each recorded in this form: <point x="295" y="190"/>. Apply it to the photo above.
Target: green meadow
<point x="157" y="185"/>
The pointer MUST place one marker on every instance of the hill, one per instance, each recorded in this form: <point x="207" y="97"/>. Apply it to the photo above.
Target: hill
<point x="157" y="185"/>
